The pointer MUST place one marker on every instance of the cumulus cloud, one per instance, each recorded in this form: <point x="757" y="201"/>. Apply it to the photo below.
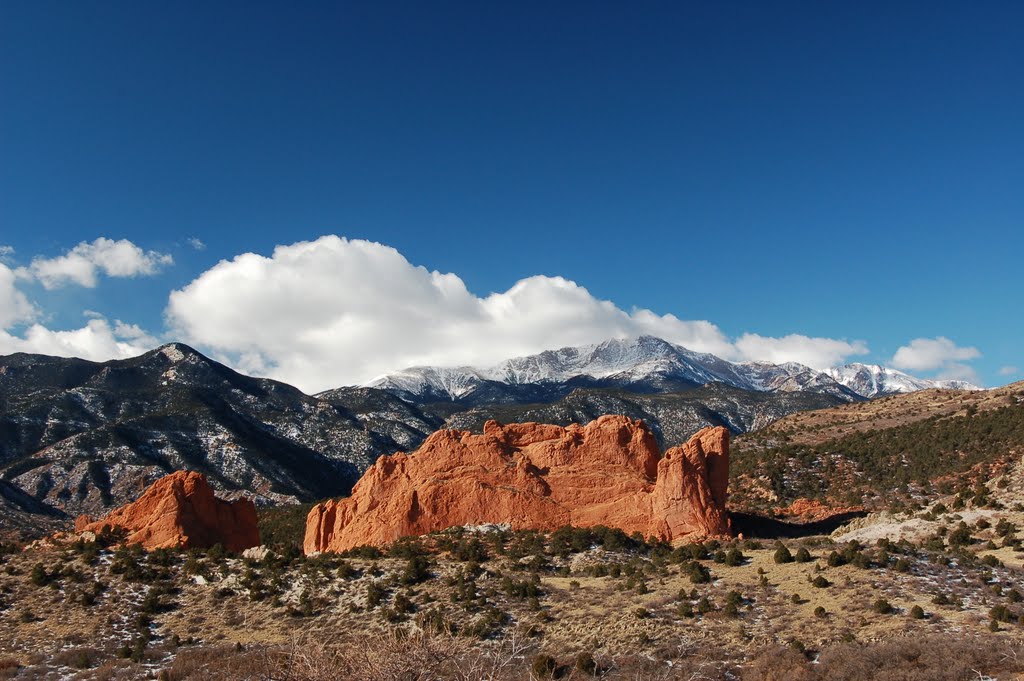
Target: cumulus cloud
<point x="956" y="371"/>
<point x="1008" y="371"/>
<point x="197" y="244"/>
<point x="15" y="308"/>
<point x="330" y="312"/>
<point x="97" y="340"/>
<point x="817" y="353"/>
<point x="930" y="354"/>
<point x="83" y="263"/>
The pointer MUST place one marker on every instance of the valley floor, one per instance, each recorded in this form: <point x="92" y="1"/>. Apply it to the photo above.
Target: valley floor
<point x="571" y="604"/>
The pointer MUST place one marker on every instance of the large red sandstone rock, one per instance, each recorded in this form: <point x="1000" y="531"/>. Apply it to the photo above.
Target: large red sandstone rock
<point x="535" y="476"/>
<point x="180" y="511"/>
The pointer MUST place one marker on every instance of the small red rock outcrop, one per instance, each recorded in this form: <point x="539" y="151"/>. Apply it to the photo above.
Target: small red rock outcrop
<point x="812" y="510"/>
<point x="535" y="476"/>
<point x="180" y="511"/>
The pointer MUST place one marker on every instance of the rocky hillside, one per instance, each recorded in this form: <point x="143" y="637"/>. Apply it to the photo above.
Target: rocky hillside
<point x="887" y="453"/>
<point x="82" y="437"/>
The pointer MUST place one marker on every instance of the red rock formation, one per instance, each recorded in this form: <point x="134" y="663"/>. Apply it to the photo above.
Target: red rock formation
<point x="812" y="510"/>
<point x="531" y="475"/>
<point x="180" y="511"/>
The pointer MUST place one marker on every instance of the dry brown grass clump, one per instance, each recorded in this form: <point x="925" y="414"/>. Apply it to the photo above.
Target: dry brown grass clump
<point x="937" y="657"/>
<point x="394" y="656"/>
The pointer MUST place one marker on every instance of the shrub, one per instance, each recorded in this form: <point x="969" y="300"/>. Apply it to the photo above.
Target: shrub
<point x="522" y="589"/>
<point x="802" y="555"/>
<point x="471" y="551"/>
<point x="39" y="576"/>
<point x="917" y="612"/>
<point x="417" y="570"/>
<point x="1000" y="613"/>
<point x="374" y="594"/>
<point x="585" y="664"/>
<point x="882" y="607"/>
<point x="820" y="612"/>
<point x="734" y="557"/>
<point x="961" y="536"/>
<point x="698" y="574"/>
<point x="543" y="666"/>
<point x="783" y="554"/>
<point x="821" y="582"/>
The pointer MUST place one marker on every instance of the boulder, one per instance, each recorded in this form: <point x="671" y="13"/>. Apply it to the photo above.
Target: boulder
<point x="180" y="511"/>
<point x="535" y="476"/>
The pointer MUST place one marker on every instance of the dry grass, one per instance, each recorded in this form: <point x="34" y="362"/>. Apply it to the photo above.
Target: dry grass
<point x="646" y="622"/>
<point x="814" y="427"/>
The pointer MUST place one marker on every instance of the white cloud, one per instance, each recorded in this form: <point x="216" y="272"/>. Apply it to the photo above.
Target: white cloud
<point x="817" y="353"/>
<point x="955" y="371"/>
<point x="6" y="251"/>
<point x="1008" y="371"/>
<point x="196" y="243"/>
<point x="97" y="341"/>
<point x="930" y="354"/>
<point x="15" y="308"/>
<point x="83" y="263"/>
<point x="330" y="312"/>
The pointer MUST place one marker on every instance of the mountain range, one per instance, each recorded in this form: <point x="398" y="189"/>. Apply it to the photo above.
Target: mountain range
<point x="81" y="437"/>
<point x="646" y="365"/>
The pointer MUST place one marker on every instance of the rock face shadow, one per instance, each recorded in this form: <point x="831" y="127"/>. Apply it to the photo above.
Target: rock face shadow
<point x="753" y="526"/>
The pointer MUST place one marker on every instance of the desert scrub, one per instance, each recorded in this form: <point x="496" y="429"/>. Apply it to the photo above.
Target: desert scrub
<point x="782" y="554"/>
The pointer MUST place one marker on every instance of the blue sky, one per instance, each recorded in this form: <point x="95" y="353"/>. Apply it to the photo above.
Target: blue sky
<point x="849" y="172"/>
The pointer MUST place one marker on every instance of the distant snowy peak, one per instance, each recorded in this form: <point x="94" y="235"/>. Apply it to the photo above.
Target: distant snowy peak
<point x="448" y="382"/>
<point x="872" y="380"/>
<point x="644" y="364"/>
<point x="637" y="358"/>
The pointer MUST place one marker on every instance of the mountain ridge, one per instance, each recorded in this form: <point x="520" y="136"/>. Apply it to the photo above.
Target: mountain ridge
<point x="78" y="436"/>
<point x="644" y="364"/>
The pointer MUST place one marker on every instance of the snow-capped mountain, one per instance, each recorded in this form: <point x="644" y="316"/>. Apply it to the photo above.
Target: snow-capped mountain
<point x="644" y="365"/>
<point x="82" y="437"/>
<point x="872" y="380"/>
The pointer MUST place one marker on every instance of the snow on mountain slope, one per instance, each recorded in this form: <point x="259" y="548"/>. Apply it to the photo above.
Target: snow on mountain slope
<point x="644" y="364"/>
<point x="872" y="380"/>
<point x="636" y="358"/>
<point x="454" y="382"/>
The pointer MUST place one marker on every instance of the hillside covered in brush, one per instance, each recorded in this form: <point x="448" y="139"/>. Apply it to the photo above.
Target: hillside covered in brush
<point x="883" y="452"/>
